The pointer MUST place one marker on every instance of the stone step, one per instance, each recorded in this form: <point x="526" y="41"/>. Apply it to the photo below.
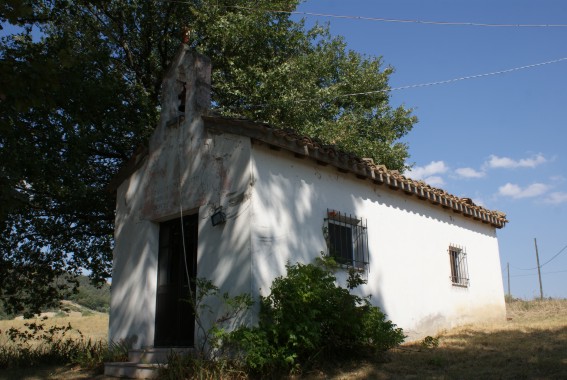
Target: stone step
<point x="153" y="355"/>
<point x="131" y="370"/>
<point x="143" y="363"/>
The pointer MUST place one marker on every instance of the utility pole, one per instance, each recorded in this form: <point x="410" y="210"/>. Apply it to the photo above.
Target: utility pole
<point x="538" y="271"/>
<point x="509" y="293"/>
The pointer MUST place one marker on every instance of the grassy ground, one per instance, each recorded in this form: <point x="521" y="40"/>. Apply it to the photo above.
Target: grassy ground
<point x="94" y="325"/>
<point x="531" y="344"/>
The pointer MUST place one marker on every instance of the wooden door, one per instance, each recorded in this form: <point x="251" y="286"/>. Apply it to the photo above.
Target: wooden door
<point x="177" y="268"/>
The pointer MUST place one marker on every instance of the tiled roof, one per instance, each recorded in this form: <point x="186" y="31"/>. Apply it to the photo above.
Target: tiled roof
<point x="363" y="168"/>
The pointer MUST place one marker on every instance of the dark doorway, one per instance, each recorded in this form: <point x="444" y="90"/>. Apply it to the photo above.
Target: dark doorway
<point x="177" y="268"/>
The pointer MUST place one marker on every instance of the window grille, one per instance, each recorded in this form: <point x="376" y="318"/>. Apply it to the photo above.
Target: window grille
<point x="459" y="268"/>
<point x="347" y="239"/>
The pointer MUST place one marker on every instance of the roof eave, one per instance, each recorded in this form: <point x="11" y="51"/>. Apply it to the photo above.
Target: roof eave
<point x="364" y="169"/>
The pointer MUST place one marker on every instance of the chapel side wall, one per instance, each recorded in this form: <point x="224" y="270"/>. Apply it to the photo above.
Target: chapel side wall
<point x="409" y="271"/>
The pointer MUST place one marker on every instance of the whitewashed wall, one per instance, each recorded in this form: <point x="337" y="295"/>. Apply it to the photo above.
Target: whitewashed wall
<point x="223" y="251"/>
<point x="186" y="171"/>
<point x="275" y="205"/>
<point x="134" y="273"/>
<point x="409" y="271"/>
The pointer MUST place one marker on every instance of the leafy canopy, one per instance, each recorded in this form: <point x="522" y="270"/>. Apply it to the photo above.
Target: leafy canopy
<point x="76" y="101"/>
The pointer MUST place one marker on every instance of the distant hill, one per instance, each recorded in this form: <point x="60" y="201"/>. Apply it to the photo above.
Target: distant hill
<point x="88" y="296"/>
<point x="91" y="297"/>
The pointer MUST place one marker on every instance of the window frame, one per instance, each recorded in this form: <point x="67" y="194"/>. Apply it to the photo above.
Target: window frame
<point x="350" y="233"/>
<point x="458" y="266"/>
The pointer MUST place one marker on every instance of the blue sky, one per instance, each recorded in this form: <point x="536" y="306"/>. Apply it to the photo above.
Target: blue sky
<point x="499" y="139"/>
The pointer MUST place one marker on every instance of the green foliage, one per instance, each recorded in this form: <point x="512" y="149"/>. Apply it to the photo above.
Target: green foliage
<point x="308" y="318"/>
<point x="76" y="101"/>
<point x="4" y="314"/>
<point x="80" y="290"/>
<point x="227" y="311"/>
<point x="36" y="345"/>
<point x="90" y="296"/>
<point x="430" y="342"/>
<point x="17" y="12"/>
<point x="181" y="366"/>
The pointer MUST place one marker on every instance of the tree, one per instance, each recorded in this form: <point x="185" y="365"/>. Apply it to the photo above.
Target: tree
<point x="75" y="103"/>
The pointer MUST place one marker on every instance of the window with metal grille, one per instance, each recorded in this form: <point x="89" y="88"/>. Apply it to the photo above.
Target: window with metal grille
<point x="347" y="239"/>
<point x="459" y="269"/>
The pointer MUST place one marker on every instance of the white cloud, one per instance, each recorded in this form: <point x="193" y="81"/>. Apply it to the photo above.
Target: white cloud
<point x="430" y="173"/>
<point x="479" y="202"/>
<point x="496" y="162"/>
<point x="469" y="173"/>
<point x="516" y="192"/>
<point x="429" y="170"/>
<point x="558" y="178"/>
<point x="435" y="181"/>
<point x="557" y="197"/>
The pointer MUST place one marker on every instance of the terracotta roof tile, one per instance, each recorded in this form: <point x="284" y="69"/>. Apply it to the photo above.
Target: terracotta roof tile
<point x="363" y="168"/>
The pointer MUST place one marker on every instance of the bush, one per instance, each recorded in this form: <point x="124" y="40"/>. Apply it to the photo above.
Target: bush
<point x="308" y="319"/>
<point x="3" y="313"/>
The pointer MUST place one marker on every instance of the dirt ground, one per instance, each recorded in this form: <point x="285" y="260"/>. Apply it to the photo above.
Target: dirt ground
<point x="530" y="344"/>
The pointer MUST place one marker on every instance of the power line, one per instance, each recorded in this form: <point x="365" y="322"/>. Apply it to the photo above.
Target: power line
<point x="557" y="254"/>
<point x="465" y="77"/>
<point x="438" y="83"/>
<point x="547" y="262"/>
<point x="403" y="21"/>
<point x="535" y="274"/>
<point x="388" y="20"/>
<point x="513" y="267"/>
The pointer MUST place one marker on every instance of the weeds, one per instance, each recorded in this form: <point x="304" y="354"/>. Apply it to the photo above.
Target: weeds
<point x="36" y="344"/>
<point x="195" y="366"/>
<point x="213" y="335"/>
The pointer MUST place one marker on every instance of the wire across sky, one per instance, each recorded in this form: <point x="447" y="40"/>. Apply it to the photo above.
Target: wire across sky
<point x="403" y="21"/>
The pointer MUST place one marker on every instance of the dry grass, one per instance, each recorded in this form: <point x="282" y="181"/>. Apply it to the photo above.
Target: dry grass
<point x="94" y="326"/>
<point x="51" y="373"/>
<point x="532" y="344"/>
